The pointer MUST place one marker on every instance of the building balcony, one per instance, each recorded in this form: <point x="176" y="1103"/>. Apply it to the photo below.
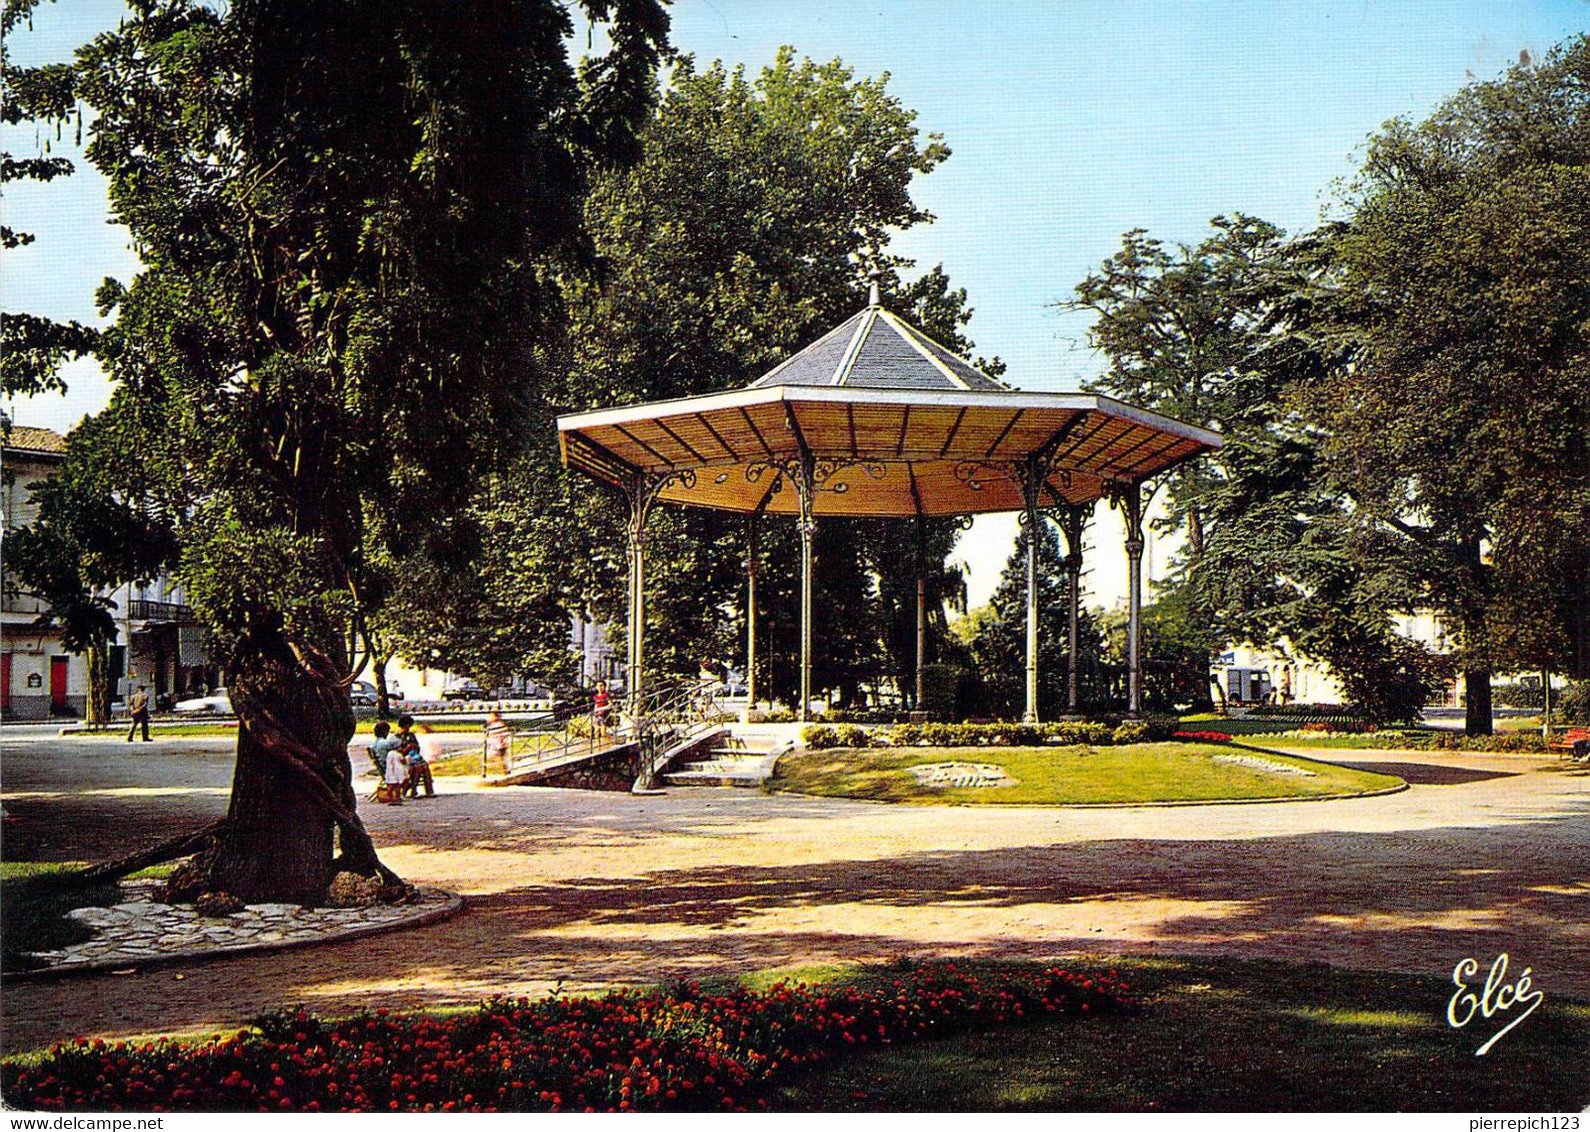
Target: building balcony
<point x="141" y="610"/>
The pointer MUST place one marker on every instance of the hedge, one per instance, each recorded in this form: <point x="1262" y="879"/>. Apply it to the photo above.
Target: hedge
<point x="1092" y="733"/>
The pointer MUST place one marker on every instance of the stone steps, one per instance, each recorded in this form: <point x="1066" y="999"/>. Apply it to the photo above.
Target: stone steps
<point x="745" y="764"/>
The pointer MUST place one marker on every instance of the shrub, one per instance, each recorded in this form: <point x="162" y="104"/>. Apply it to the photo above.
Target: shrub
<point x="781" y="715"/>
<point x="869" y="715"/>
<point x="1505" y="742"/>
<point x="1129" y="732"/>
<point x="1066" y="733"/>
<point x="1161" y="727"/>
<point x="849" y="735"/>
<point x="1078" y="732"/>
<point x="818" y="737"/>
<point x="1573" y="703"/>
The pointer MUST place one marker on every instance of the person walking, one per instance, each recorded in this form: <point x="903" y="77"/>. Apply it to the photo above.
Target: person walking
<point x="498" y="737"/>
<point x="602" y="708"/>
<point x="138" y="711"/>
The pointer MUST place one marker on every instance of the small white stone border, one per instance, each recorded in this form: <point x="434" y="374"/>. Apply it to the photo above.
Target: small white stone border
<point x="432" y="906"/>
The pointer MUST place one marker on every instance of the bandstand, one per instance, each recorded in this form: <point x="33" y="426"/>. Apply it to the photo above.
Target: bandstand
<point x="876" y="420"/>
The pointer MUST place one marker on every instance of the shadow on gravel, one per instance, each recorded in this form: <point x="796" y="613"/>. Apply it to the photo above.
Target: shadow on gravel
<point x="1424" y="774"/>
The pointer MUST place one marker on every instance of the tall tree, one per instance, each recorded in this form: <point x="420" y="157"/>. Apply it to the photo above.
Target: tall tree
<point x="998" y="640"/>
<point x="349" y="215"/>
<point x="1186" y="330"/>
<point x="1461" y="424"/>
<point x="731" y="243"/>
<point x="1178" y="326"/>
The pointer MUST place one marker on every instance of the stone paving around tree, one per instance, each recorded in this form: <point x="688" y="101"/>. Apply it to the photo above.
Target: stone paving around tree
<point x="141" y="931"/>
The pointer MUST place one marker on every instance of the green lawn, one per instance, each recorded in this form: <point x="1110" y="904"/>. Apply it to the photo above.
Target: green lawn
<point x="1222" y="1034"/>
<point x="1143" y="772"/>
<point x="33" y="907"/>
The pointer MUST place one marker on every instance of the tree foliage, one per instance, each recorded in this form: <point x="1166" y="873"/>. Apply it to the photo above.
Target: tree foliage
<point x="732" y="242"/>
<point x="1402" y="393"/>
<point x="1460" y="424"/>
<point x="351" y="216"/>
<point x="33" y="348"/>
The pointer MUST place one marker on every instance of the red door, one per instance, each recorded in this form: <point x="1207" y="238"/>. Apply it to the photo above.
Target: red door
<point x="5" y="681"/>
<point x="58" y="669"/>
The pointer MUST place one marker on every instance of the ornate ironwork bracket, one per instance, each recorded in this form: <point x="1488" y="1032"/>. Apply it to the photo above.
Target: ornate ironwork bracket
<point x="1071" y="518"/>
<point x="1128" y="500"/>
<point x="642" y="492"/>
<point x="1029" y="477"/>
<point x="977" y="474"/>
<point x="794" y="469"/>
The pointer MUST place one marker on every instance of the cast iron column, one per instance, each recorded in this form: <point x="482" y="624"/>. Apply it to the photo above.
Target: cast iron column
<point x="1072" y="520"/>
<point x="921" y="610"/>
<point x="642" y="492"/>
<point x="1031" y="483"/>
<point x="1130" y="501"/>
<point x="751" y="556"/>
<point x="805" y="489"/>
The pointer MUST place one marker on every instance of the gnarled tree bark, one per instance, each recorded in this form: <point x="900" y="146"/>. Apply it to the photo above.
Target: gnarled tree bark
<point x="293" y="821"/>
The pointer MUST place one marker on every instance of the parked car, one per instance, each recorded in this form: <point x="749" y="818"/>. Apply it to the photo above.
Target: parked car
<point x="218" y="702"/>
<point x="362" y="693"/>
<point x="462" y="689"/>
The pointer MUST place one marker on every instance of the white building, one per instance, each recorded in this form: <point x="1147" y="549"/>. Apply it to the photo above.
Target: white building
<point x="38" y="677"/>
<point x="1254" y="674"/>
<point x="158" y="644"/>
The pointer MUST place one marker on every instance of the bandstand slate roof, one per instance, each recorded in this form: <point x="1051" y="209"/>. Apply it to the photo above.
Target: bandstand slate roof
<point x="895" y="425"/>
<point x="877" y="350"/>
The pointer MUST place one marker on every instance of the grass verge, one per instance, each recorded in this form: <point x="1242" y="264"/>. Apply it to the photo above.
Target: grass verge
<point x="1228" y="1035"/>
<point x="34" y="904"/>
<point x="33" y="908"/>
<point x="1142" y="772"/>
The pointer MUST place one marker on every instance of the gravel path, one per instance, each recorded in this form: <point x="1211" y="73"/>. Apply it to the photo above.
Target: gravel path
<point x="1483" y="854"/>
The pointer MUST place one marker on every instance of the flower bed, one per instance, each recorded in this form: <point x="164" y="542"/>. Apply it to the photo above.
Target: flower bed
<point x="683" y="1051"/>
<point x="1202" y="736"/>
<point x="1093" y="733"/>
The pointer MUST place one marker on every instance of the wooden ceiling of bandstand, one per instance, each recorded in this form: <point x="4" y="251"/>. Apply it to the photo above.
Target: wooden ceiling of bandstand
<point x="879" y="452"/>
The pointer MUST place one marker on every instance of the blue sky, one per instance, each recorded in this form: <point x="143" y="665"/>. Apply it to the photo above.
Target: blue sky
<point x="1069" y="124"/>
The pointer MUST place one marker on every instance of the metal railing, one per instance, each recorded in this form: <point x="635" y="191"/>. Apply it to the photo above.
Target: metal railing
<point x="140" y="610"/>
<point x="668" y="713"/>
<point x="672" y="713"/>
<point x="548" y="738"/>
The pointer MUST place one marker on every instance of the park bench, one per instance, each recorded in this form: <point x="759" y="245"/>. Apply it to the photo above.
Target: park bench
<point x="1575" y="740"/>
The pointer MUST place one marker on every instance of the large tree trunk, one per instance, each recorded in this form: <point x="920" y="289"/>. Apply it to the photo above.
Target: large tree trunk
<point x="1476" y="646"/>
<point x="1477" y="701"/>
<point x="383" y="698"/>
<point x="96" y="707"/>
<point x="293" y="803"/>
